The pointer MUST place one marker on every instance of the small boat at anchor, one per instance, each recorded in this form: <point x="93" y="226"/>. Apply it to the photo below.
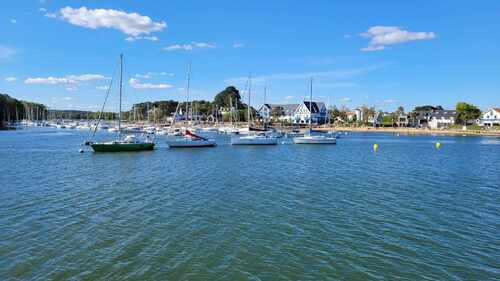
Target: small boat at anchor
<point x="184" y="138"/>
<point x="190" y="140"/>
<point x="255" y="139"/>
<point x="310" y="137"/>
<point x="253" y="136"/>
<point x="130" y="142"/>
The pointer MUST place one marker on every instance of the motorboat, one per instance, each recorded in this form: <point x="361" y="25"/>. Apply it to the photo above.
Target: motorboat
<point x="254" y="139"/>
<point x="315" y="139"/>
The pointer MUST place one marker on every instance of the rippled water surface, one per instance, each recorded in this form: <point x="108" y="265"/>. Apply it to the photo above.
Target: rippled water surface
<point x="288" y="212"/>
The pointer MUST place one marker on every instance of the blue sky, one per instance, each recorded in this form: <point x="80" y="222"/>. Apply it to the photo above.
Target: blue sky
<point x="380" y="53"/>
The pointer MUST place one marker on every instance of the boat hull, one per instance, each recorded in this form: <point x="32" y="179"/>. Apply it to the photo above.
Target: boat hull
<point x="187" y="144"/>
<point x="254" y="141"/>
<point x="120" y="147"/>
<point x="314" y="140"/>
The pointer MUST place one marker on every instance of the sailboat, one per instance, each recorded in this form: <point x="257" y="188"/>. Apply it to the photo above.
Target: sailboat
<point x="188" y="139"/>
<point x="309" y="137"/>
<point x="253" y="137"/>
<point x="130" y="142"/>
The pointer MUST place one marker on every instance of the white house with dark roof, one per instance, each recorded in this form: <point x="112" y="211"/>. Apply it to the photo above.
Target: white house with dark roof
<point x="294" y="113"/>
<point x="490" y="118"/>
<point x="439" y="119"/>
<point x="317" y="114"/>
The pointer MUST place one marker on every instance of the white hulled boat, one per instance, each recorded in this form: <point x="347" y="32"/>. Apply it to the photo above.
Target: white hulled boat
<point x="187" y="138"/>
<point x="310" y="137"/>
<point x="190" y="140"/>
<point x="253" y="137"/>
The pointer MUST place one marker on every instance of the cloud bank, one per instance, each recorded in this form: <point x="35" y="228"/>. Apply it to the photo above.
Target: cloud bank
<point x="383" y="36"/>
<point x="132" y="24"/>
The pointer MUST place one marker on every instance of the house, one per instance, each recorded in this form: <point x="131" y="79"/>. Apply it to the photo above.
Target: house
<point x="490" y="118"/>
<point x="402" y="120"/>
<point x="359" y="114"/>
<point x="351" y="116"/>
<point x="421" y="118"/>
<point x="439" y="119"/>
<point x="281" y="112"/>
<point x="314" y="112"/>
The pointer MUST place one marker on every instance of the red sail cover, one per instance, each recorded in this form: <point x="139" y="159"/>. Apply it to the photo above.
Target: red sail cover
<point x="188" y="133"/>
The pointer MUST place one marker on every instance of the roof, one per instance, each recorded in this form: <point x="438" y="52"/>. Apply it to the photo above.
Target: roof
<point x="315" y="106"/>
<point x="496" y="109"/>
<point x="444" y="113"/>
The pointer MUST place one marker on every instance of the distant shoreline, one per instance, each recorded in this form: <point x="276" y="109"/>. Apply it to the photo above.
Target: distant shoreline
<point x="415" y="131"/>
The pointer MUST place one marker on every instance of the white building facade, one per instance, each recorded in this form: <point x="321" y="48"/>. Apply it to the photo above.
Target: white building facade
<point x="442" y="119"/>
<point x="490" y="118"/>
<point x="314" y="112"/>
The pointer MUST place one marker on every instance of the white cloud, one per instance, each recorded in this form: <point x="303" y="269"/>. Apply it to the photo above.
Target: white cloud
<point x="102" y="88"/>
<point x="50" y="15"/>
<point x="7" y="52"/>
<point x="69" y="79"/>
<point x="382" y="36"/>
<point x="136" y="84"/>
<point x="13" y="21"/>
<point x="42" y="10"/>
<point x="143" y="76"/>
<point x="132" y="24"/>
<point x="151" y="74"/>
<point x="289" y="97"/>
<point x="189" y="47"/>
<point x="71" y="88"/>
<point x="238" y="45"/>
<point x="67" y="98"/>
<point x="149" y="38"/>
<point x="345" y="100"/>
<point x="10" y="79"/>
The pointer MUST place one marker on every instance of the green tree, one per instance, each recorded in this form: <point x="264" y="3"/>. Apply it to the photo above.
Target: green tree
<point x="228" y="96"/>
<point x="367" y="113"/>
<point x="466" y="112"/>
<point x="428" y="108"/>
<point x="334" y="113"/>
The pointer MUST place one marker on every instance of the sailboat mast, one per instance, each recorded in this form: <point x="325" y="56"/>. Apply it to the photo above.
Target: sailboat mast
<point x="120" y="106"/>
<point x="187" y="90"/>
<point x="249" y="90"/>
<point x="265" y="119"/>
<point x="310" y="105"/>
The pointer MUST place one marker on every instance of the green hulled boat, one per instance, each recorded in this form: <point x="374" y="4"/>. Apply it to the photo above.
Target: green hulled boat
<point x="117" y="146"/>
<point x="129" y="143"/>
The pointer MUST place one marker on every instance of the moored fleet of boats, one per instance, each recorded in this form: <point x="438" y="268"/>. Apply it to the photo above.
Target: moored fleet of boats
<point x="134" y="137"/>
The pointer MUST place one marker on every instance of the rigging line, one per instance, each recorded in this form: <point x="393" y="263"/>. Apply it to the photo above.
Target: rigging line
<point x="103" y="105"/>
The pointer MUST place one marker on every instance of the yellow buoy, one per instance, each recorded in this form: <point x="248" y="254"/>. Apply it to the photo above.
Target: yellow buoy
<point x="438" y="145"/>
<point x="375" y="147"/>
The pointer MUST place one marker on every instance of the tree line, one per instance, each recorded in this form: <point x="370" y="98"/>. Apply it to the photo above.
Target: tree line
<point x="12" y="110"/>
